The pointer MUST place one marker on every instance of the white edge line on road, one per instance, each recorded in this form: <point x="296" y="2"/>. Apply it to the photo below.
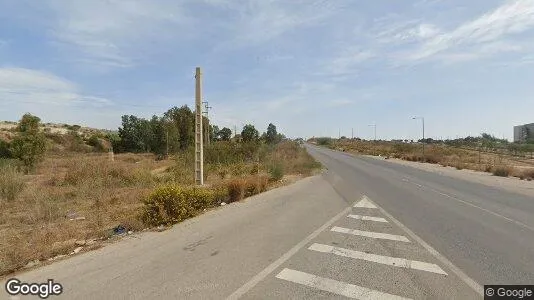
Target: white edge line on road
<point x="374" y="235"/>
<point x="334" y="286"/>
<point x="474" y="205"/>
<point x="277" y="263"/>
<point x="470" y="282"/>
<point x="367" y="218"/>
<point x="380" y="259"/>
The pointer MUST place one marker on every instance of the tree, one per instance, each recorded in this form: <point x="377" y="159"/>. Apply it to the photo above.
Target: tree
<point x="225" y="134"/>
<point x="29" y="124"/>
<point x="271" y="136"/>
<point x="249" y="133"/>
<point x="214" y="133"/>
<point x="29" y="145"/>
<point x="130" y="135"/>
<point x="158" y="141"/>
<point x="184" y="120"/>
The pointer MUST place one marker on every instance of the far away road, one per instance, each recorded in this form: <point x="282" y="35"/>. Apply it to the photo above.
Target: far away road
<point x="364" y="229"/>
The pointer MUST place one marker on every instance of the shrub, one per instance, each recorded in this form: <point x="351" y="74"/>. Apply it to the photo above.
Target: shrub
<point x="432" y="158"/>
<point x="238" y="169"/>
<point x="528" y="174"/>
<point x="11" y="183"/>
<point x="222" y="172"/>
<point x="276" y="171"/>
<point x="5" y="152"/>
<point x="171" y="204"/>
<point x="29" y="148"/>
<point x="236" y="189"/>
<point x="256" y="185"/>
<point x="501" y="171"/>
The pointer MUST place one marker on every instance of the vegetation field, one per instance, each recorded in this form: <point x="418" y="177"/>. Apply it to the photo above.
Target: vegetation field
<point x="64" y="192"/>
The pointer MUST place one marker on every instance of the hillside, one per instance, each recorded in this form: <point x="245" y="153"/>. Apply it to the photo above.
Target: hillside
<point x="65" y="137"/>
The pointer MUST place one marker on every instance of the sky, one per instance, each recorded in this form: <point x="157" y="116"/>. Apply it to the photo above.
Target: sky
<point x="311" y="67"/>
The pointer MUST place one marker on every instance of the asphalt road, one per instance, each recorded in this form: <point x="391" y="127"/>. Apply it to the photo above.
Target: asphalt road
<point x="414" y="234"/>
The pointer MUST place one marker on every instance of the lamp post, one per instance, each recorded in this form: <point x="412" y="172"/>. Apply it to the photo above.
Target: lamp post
<point x="373" y="125"/>
<point x="423" y="141"/>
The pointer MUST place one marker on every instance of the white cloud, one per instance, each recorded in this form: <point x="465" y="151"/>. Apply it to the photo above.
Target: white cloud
<point x="260" y="21"/>
<point x="511" y="18"/>
<point x="18" y="85"/>
<point x="114" y="33"/>
<point x="422" y="31"/>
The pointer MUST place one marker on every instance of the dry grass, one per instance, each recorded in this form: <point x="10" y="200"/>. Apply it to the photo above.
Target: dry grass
<point x="105" y="193"/>
<point x="37" y="225"/>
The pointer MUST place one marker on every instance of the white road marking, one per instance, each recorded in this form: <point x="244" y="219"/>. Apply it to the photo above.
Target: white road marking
<point x="277" y="263"/>
<point x="473" y="205"/>
<point x="367" y="218"/>
<point x="385" y="260"/>
<point x="470" y="282"/>
<point x="374" y="235"/>
<point x="365" y="203"/>
<point x="333" y="286"/>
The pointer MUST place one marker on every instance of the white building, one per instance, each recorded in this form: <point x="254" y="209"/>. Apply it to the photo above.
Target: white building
<point x="523" y="132"/>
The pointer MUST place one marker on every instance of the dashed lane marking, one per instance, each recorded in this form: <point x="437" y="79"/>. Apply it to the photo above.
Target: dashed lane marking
<point x="334" y="286"/>
<point x="367" y="218"/>
<point x="385" y="260"/>
<point x="374" y="235"/>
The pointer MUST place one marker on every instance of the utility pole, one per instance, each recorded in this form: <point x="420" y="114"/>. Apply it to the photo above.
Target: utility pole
<point x="352" y="135"/>
<point x="423" y="142"/>
<point x="339" y="134"/>
<point x="374" y="126"/>
<point x="167" y="140"/>
<point x="199" y="149"/>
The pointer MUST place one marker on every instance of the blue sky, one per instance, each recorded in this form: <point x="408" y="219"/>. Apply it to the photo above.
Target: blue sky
<point x="312" y="67"/>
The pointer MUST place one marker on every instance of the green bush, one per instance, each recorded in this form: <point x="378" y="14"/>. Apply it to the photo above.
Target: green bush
<point x="324" y="141"/>
<point x="11" y="183"/>
<point x="29" y="148"/>
<point x="5" y="152"/>
<point x="172" y="204"/>
<point x="276" y="171"/>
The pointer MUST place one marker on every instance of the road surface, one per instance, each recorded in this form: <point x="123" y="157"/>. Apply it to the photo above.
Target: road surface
<point x="364" y="229"/>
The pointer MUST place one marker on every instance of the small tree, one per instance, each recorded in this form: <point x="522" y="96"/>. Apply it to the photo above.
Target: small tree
<point x="271" y="136"/>
<point x="225" y="134"/>
<point x="249" y="133"/>
<point x="29" y="145"/>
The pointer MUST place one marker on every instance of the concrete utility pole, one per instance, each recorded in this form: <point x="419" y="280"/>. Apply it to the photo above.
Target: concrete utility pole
<point x="423" y="121"/>
<point x="352" y="135"/>
<point x="199" y="147"/>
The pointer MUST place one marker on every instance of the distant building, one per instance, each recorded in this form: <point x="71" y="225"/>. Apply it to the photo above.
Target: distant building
<point x="522" y="133"/>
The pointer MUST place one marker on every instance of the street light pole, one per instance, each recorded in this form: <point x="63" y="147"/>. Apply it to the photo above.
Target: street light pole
<point x="423" y="141"/>
<point x="373" y="125"/>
